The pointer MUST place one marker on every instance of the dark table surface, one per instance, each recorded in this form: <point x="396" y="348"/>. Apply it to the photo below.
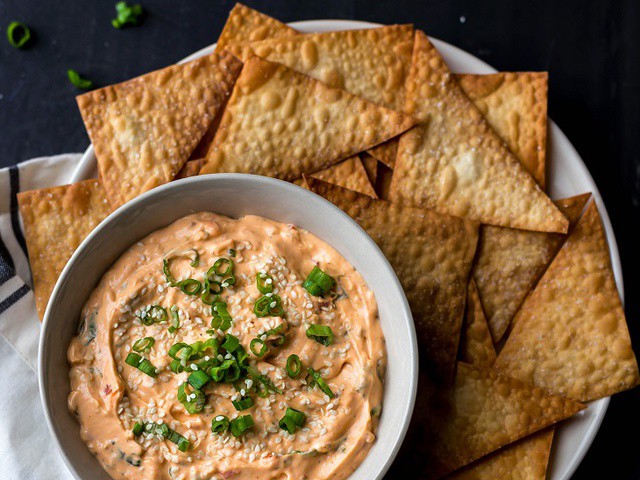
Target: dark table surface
<point x="590" y="49"/>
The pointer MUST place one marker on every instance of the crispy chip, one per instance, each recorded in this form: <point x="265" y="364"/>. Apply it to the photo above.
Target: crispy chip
<point x="455" y="163"/>
<point x="371" y="167"/>
<point x="386" y="152"/>
<point x="431" y="254"/>
<point x="191" y="168"/>
<point x="143" y="130"/>
<point x="349" y="174"/>
<point x="509" y="262"/>
<point x="482" y="412"/>
<point x="371" y="63"/>
<point x="570" y="335"/>
<point x="280" y="123"/>
<point x="515" y="105"/>
<point x="526" y="459"/>
<point x="55" y="221"/>
<point x="248" y="25"/>
<point x="476" y="346"/>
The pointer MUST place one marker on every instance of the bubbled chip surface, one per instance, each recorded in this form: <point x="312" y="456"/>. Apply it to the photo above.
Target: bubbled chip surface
<point x="143" y="130"/>
<point x="431" y="255"/>
<point x="476" y="346"/>
<point x="570" y="335"/>
<point x="455" y="163"/>
<point x="480" y="413"/>
<point x="248" y="25"/>
<point x="371" y="63"/>
<point x="349" y="174"/>
<point x="55" y="221"/>
<point x="509" y="262"/>
<point x="280" y="123"/>
<point x="515" y="105"/>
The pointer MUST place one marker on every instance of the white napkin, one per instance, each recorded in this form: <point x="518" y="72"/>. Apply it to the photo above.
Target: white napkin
<point x="27" y="451"/>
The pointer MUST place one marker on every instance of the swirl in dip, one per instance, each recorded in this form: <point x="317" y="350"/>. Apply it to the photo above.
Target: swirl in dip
<point x="116" y="391"/>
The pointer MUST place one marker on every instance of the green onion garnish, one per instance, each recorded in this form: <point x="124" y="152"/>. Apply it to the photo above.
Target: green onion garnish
<point x="264" y="282"/>
<point x="263" y="383"/>
<point x="240" y="425"/>
<point x="292" y="420"/>
<point x="220" y="424"/>
<point x="198" y="379"/>
<point x="176" y="366"/>
<point x="321" y="334"/>
<point x="192" y="399"/>
<point x="318" y="283"/>
<point x="144" y="344"/>
<point x="210" y="291"/>
<point x="293" y="366"/>
<point x="166" y="269"/>
<point x="190" y="286"/>
<point x="78" y="81"/>
<point x="162" y="430"/>
<point x="318" y="380"/>
<point x="137" y="429"/>
<point x="230" y="343"/>
<point x="18" y="34"/>
<point x="127" y="14"/>
<point x="268" y="306"/>
<point x="155" y="314"/>
<point x="258" y="352"/>
<point x="232" y="252"/>
<point x="222" y="267"/>
<point x="196" y="259"/>
<point x="243" y="404"/>
<point x="175" y="319"/>
<point x="221" y="318"/>
<point x="141" y="363"/>
<point x="180" y="351"/>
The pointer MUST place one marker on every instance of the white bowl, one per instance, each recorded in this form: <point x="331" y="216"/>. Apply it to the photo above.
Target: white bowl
<point x="234" y="195"/>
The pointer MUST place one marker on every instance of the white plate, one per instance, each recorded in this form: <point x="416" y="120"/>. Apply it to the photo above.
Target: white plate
<point x="567" y="175"/>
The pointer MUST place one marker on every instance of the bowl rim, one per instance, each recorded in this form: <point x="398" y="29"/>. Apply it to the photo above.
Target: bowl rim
<point x="48" y="322"/>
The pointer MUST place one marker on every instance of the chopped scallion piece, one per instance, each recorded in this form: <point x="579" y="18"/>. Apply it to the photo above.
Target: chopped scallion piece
<point x="264" y="282"/>
<point x="243" y="403"/>
<point x="196" y="259"/>
<point x="318" y="283"/>
<point x="293" y="366"/>
<point x="321" y="334"/>
<point x="144" y="344"/>
<point x="175" y="320"/>
<point x="18" y="34"/>
<point x="127" y="14"/>
<point x="220" y="424"/>
<point x="318" y="380"/>
<point x="155" y="314"/>
<point x="198" y="379"/>
<point x="192" y="399"/>
<point x="141" y="363"/>
<point x="258" y="347"/>
<point x="292" y="420"/>
<point x="230" y="343"/>
<point x="268" y="307"/>
<point x="78" y="81"/>
<point x="240" y="425"/>
<point x="190" y="286"/>
<point x="138" y="428"/>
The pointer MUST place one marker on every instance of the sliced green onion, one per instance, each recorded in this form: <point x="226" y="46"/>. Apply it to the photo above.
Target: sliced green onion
<point x="192" y="399"/>
<point x="267" y="386"/>
<point x="210" y="292"/>
<point x="198" y="379"/>
<point x="144" y="344"/>
<point x="232" y="252"/>
<point x="293" y="366"/>
<point x="141" y="363"/>
<point x="138" y="428"/>
<point x="175" y="320"/>
<point x="221" y="318"/>
<point x="177" y="348"/>
<point x="164" y="431"/>
<point x="240" y="425"/>
<point x="317" y="379"/>
<point x="18" y="34"/>
<point x="166" y="269"/>
<point x="220" y="424"/>
<point x="78" y="81"/>
<point x="155" y="314"/>
<point x="230" y="343"/>
<point x="243" y="404"/>
<point x="190" y="286"/>
<point x="318" y="283"/>
<point x="268" y="307"/>
<point x="264" y="282"/>
<point x="222" y="267"/>
<point x="292" y="420"/>
<point x="253" y="346"/>
<point x="321" y="334"/>
<point x="196" y="259"/>
<point x="176" y="366"/>
<point x="127" y="14"/>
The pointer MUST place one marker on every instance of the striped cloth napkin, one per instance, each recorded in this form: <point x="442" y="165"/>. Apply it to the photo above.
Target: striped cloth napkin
<point x="27" y="451"/>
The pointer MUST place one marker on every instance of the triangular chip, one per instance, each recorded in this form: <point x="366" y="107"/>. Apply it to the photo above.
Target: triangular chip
<point x="386" y="152"/>
<point x="189" y="169"/>
<point x="248" y="25"/>
<point x="55" y="221"/>
<point x="143" y="130"/>
<point x="570" y="336"/>
<point x="476" y="346"/>
<point x="280" y="123"/>
<point x="480" y="413"/>
<point x="515" y="105"/>
<point x="348" y="174"/>
<point x="526" y="459"/>
<point x="509" y="262"/>
<point x="453" y="162"/>
<point x="371" y="167"/>
<point x="431" y="254"/>
<point x="371" y="63"/>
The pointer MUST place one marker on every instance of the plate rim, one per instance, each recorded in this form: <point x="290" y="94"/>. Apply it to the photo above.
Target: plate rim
<point x="87" y="165"/>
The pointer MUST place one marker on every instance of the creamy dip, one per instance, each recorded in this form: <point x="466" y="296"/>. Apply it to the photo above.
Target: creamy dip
<point x="109" y="396"/>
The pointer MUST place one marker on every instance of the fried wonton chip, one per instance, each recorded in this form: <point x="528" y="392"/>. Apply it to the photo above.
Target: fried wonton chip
<point x="248" y="25"/>
<point x="349" y="174"/>
<point x="509" y="262"/>
<point x="189" y="169"/>
<point x="454" y="162"/>
<point x="371" y="166"/>
<point x="55" y="221"/>
<point x="570" y="335"/>
<point x="371" y="63"/>
<point x="431" y="254"/>
<point x="480" y="413"/>
<point x="526" y="459"/>
<point x="386" y="152"/>
<point x="515" y="105"/>
<point x="280" y="123"/>
<point x="476" y="346"/>
<point x="143" y="130"/>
